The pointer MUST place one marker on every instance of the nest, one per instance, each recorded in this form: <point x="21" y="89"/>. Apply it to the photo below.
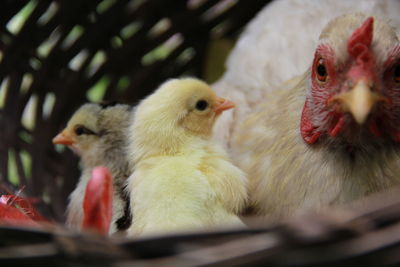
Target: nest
<point x="58" y="54"/>
<point x="363" y="234"/>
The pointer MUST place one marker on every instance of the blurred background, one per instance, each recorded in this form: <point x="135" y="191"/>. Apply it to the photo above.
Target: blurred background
<point x="57" y="54"/>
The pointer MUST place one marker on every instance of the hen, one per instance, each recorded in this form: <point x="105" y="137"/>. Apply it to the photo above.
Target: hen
<point x="278" y="45"/>
<point x="334" y="136"/>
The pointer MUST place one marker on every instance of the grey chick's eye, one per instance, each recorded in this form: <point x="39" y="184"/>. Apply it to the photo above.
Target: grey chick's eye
<point x="79" y="130"/>
<point x="201" y="105"/>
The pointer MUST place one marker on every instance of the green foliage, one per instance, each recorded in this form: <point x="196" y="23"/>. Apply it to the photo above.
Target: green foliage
<point x="96" y="93"/>
<point x="16" y="23"/>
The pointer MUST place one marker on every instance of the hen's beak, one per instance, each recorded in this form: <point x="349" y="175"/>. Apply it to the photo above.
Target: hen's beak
<point x="64" y="138"/>
<point x="359" y="101"/>
<point x="222" y="105"/>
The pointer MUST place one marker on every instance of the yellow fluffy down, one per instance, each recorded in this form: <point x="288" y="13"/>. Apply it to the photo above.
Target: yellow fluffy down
<point x="194" y="190"/>
<point x="181" y="181"/>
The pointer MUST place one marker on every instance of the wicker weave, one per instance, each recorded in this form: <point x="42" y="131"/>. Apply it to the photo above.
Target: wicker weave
<point x="362" y="234"/>
<point x="52" y="61"/>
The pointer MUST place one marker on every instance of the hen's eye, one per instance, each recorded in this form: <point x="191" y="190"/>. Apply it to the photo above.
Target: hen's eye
<point x="79" y="130"/>
<point x="201" y="105"/>
<point x="322" y="73"/>
<point x="396" y="73"/>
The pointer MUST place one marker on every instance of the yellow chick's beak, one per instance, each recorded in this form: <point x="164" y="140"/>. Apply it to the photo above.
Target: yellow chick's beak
<point x="359" y="101"/>
<point x="64" y="138"/>
<point x="222" y="105"/>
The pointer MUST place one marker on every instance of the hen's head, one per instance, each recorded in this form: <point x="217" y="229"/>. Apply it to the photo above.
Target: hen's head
<point x="354" y="89"/>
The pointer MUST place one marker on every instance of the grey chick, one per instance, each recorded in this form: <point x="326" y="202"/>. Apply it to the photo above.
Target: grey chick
<point x="96" y="132"/>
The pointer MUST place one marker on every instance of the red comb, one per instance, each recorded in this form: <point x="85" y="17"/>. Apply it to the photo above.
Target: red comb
<point x="361" y="39"/>
<point x="97" y="203"/>
<point x="358" y="47"/>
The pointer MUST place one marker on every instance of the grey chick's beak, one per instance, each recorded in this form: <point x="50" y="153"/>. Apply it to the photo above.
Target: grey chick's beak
<point x="64" y="138"/>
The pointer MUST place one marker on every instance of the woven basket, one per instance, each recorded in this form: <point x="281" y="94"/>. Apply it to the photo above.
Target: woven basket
<point x="361" y="234"/>
<point x="56" y="55"/>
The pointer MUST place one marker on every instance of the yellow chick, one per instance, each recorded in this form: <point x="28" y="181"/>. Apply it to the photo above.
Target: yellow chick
<point x="182" y="181"/>
<point x="97" y="134"/>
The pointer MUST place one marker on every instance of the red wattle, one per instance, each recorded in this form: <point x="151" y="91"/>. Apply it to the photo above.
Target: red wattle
<point x="396" y="136"/>
<point x="338" y="127"/>
<point x="373" y="127"/>
<point x="308" y="131"/>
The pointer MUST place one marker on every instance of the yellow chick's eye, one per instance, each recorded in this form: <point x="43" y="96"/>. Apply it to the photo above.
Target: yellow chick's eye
<point x="201" y="105"/>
